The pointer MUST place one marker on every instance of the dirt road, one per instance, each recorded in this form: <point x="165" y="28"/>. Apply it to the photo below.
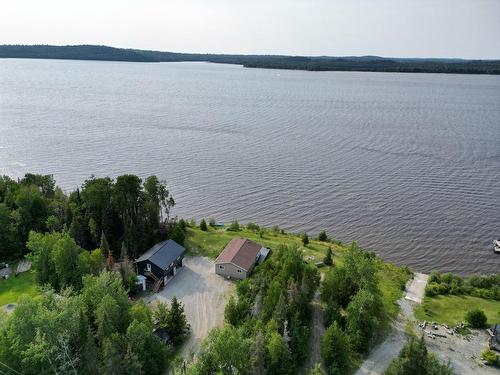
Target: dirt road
<point x="382" y="355"/>
<point x="317" y="331"/>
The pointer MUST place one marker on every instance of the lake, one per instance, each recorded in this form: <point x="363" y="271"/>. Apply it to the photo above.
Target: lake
<point x="406" y="164"/>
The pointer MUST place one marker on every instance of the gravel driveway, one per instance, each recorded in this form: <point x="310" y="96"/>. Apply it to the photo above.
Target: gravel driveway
<point x="203" y="294"/>
<point x="382" y="355"/>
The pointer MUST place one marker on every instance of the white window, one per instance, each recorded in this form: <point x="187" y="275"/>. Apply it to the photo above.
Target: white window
<point x="221" y="267"/>
<point x="148" y="267"/>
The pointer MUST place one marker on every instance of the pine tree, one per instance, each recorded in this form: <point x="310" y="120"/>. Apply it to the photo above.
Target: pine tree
<point x="112" y="355"/>
<point x="88" y="355"/>
<point x="203" y="225"/>
<point x="258" y="356"/>
<point x="305" y="239"/>
<point x="281" y="309"/>
<point x="177" y="322"/>
<point x="125" y="268"/>
<point x="328" y="258"/>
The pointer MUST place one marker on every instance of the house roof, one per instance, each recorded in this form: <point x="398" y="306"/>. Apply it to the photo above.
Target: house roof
<point x="241" y="252"/>
<point x="162" y="254"/>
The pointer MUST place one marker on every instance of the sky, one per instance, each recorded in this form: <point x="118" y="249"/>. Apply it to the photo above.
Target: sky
<point x="399" y="28"/>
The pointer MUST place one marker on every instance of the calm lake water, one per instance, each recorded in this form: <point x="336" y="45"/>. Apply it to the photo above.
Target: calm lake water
<point x="406" y="164"/>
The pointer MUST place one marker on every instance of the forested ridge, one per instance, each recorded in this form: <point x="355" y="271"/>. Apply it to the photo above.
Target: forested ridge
<point x="312" y="63"/>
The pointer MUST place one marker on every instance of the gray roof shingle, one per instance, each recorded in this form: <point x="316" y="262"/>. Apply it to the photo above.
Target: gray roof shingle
<point x="163" y="254"/>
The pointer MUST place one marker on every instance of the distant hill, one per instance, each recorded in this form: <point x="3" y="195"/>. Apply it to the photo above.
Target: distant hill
<point x="319" y="63"/>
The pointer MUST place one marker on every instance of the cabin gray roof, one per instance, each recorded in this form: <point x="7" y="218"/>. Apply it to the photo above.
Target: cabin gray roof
<point x="162" y="254"/>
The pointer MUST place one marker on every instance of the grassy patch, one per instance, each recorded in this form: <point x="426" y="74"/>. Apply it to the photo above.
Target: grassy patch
<point x="211" y="243"/>
<point x="12" y="288"/>
<point x="451" y="309"/>
<point x="392" y="283"/>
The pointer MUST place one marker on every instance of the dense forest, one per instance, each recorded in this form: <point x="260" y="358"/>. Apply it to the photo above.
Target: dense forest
<point x="128" y="212"/>
<point x="83" y="322"/>
<point x="318" y="63"/>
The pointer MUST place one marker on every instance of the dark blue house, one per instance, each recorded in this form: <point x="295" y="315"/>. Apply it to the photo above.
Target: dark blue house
<point x="160" y="263"/>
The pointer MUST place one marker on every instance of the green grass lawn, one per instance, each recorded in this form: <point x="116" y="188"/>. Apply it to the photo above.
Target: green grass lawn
<point x="212" y="242"/>
<point x="392" y="280"/>
<point x="12" y="288"/>
<point x="451" y="309"/>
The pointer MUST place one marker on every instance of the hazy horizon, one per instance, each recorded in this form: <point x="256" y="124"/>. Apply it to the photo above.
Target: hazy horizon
<point x="253" y="54"/>
<point x="412" y="29"/>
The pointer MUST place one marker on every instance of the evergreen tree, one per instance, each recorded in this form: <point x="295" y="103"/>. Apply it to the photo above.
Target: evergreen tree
<point x="126" y="271"/>
<point x="305" y="239"/>
<point x="258" y="356"/>
<point x="177" y="322"/>
<point x="88" y="364"/>
<point x="280" y="362"/>
<point x="415" y="360"/>
<point x="112" y="355"/>
<point x="328" y="258"/>
<point x="335" y="350"/>
<point x="363" y="317"/>
<point x="104" y="245"/>
<point x="322" y="236"/>
<point x="107" y="318"/>
<point x="177" y="234"/>
<point x="203" y="225"/>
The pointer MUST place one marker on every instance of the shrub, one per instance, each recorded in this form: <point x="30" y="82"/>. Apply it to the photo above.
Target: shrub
<point x="415" y="359"/>
<point x="203" y="225"/>
<point x="253" y="227"/>
<point x="432" y="289"/>
<point x="322" y="236"/>
<point x="183" y="224"/>
<point x="328" y="258"/>
<point x="236" y="311"/>
<point x="476" y="318"/>
<point x="177" y="234"/>
<point x="490" y="357"/>
<point x="211" y="222"/>
<point x="234" y="227"/>
<point x="305" y="239"/>
<point x="435" y="277"/>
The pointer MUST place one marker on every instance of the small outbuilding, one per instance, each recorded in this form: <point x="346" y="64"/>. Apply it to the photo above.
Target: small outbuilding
<point x="160" y="263"/>
<point x="239" y="258"/>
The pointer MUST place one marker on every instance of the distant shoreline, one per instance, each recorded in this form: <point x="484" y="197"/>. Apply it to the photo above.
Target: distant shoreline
<point x="306" y="63"/>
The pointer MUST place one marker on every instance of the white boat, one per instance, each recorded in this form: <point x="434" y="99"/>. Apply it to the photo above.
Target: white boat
<point x="496" y="246"/>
